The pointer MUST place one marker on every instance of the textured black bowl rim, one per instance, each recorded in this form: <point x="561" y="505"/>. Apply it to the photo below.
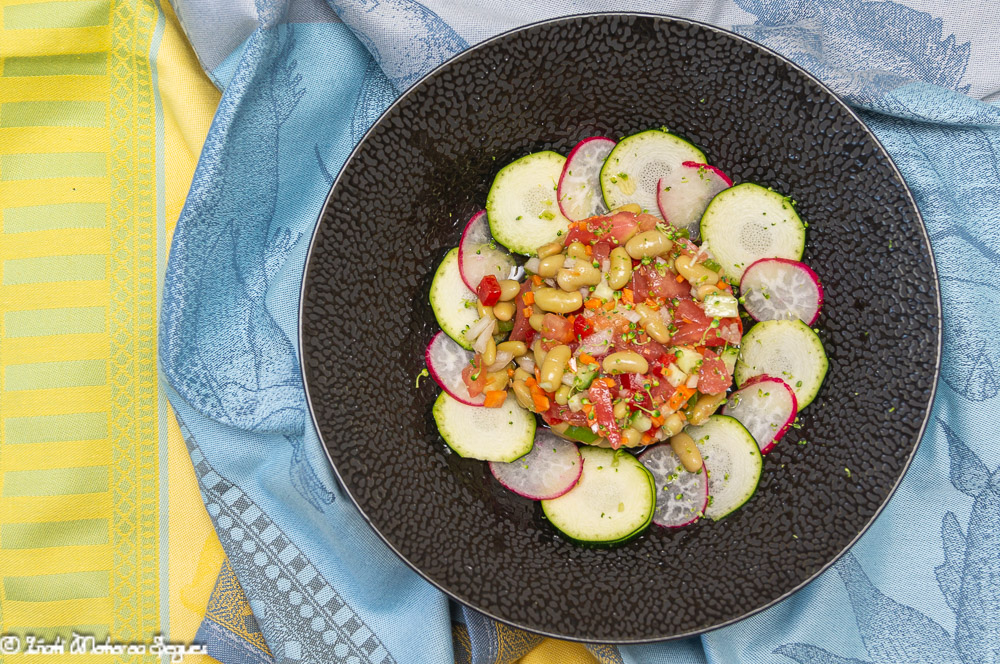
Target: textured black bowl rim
<point x="728" y="33"/>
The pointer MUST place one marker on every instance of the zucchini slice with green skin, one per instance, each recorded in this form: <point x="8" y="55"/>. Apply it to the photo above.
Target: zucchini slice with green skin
<point x="490" y="434"/>
<point x="632" y="172"/>
<point x="613" y="501"/>
<point x="523" y="203"/>
<point x="746" y="223"/>
<point x="453" y="304"/>
<point x="785" y="349"/>
<point x="734" y="462"/>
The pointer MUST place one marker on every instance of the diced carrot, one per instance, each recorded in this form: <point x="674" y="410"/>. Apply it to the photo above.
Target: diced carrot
<point x="722" y="285"/>
<point x="589" y="249"/>
<point x="679" y="278"/>
<point x="495" y="398"/>
<point x="657" y="420"/>
<point x="541" y="402"/>
<point x="529" y="296"/>
<point x="610" y="382"/>
<point x="538" y="375"/>
<point x="609" y="306"/>
<point x="627" y="295"/>
<point x="592" y="303"/>
<point x="528" y="311"/>
<point x="680" y="397"/>
<point x="530" y="381"/>
<point x="652" y="304"/>
<point x="646" y="439"/>
<point x="588" y="408"/>
<point x="587" y="359"/>
<point x="535" y="279"/>
<point x="510" y="373"/>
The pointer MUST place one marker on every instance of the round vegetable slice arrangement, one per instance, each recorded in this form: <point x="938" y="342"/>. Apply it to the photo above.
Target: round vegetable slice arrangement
<point x="748" y="222"/>
<point x="634" y="168"/>
<point x="613" y="500"/>
<point x="480" y="256"/>
<point x="579" y="189"/>
<point x="522" y="204"/>
<point x="781" y="289"/>
<point x="766" y="406"/>
<point x="788" y="349"/>
<point x="490" y="434"/>
<point x="683" y="196"/>
<point x="621" y="334"/>
<point x="550" y="469"/>
<point x="681" y="496"/>
<point x="451" y="301"/>
<point x="734" y="458"/>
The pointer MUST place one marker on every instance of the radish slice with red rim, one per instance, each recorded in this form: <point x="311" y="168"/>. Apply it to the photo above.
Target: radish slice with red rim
<point x="685" y="193"/>
<point x="681" y="497"/>
<point x="781" y="289"/>
<point x="579" y="189"/>
<point x="445" y="361"/>
<point x="550" y="469"/>
<point x="766" y="406"/>
<point x="479" y="255"/>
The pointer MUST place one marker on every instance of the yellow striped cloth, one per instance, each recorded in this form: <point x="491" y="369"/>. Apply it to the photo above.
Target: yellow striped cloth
<point x="103" y="110"/>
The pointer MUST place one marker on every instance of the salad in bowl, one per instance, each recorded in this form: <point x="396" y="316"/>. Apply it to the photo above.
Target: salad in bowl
<point x="653" y="342"/>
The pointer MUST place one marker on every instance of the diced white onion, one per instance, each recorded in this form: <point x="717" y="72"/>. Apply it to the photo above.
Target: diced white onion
<point x="567" y="379"/>
<point x="476" y="331"/>
<point x="484" y="337"/>
<point x="599" y="343"/>
<point x="674" y="375"/>
<point x="531" y="265"/>
<point x="603" y="291"/>
<point x="503" y="359"/>
<point x="692" y="381"/>
<point x="605" y="265"/>
<point x="575" y="403"/>
<point x="632" y="315"/>
<point x="665" y="315"/>
<point x="569" y="263"/>
<point x="526" y="363"/>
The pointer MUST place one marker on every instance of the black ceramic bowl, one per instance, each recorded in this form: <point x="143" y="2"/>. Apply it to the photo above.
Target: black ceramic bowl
<point x="399" y="204"/>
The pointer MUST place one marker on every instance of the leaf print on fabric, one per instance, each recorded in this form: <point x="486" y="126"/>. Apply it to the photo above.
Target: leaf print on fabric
<point x="411" y="39"/>
<point x="894" y="43"/>
<point x="220" y="347"/>
<point x="894" y="633"/>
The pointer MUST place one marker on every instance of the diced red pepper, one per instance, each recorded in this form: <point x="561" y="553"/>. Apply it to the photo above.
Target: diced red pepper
<point x="488" y="290"/>
<point x="582" y="327"/>
<point x="600" y="397"/>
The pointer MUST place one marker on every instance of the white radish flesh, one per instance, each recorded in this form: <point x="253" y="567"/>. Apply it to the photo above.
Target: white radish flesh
<point x="781" y="289"/>
<point x="479" y="255"/>
<point x="549" y="470"/>
<point x="681" y="497"/>
<point x="445" y="361"/>
<point x="579" y="188"/>
<point x="683" y="195"/>
<point x="766" y="406"/>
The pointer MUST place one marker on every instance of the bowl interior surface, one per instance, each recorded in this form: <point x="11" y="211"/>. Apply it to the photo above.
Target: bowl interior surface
<point x="400" y="203"/>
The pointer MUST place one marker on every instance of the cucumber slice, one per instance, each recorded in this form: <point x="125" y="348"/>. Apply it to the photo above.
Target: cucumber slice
<point x="613" y="501"/>
<point x="729" y="356"/>
<point x="523" y="205"/>
<point x="785" y="349"/>
<point x="735" y="462"/>
<point x="748" y="222"/>
<point x="633" y="170"/>
<point x="453" y="304"/>
<point x="490" y="434"/>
